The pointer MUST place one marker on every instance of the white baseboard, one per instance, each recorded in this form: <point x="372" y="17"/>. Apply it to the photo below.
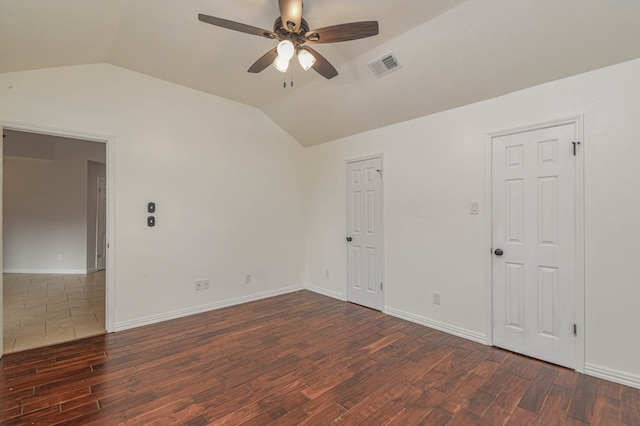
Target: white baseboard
<point x="325" y="292"/>
<point x="450" y="329"/>
<point x="44" y="271"/>
<point x="612" y="375"/>
<point x="447" y="328"/>
<point x="152" y="319"/>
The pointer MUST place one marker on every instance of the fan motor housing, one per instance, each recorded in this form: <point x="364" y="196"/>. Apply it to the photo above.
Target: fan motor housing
<point x="283" y="31"/>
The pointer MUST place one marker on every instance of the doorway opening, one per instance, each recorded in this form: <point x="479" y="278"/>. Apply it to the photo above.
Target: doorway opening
<point x="54" y="288"/>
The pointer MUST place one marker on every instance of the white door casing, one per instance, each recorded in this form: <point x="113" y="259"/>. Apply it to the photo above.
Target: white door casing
<point x="101" y="225"/>
<point x="1" y="230"/>
<point x="364" y="233"/>
<point x="534" y="224"/>
<point x="109" y="141"/>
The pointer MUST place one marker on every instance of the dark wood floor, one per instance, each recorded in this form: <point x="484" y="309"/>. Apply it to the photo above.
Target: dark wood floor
<point x="298" y="359"/>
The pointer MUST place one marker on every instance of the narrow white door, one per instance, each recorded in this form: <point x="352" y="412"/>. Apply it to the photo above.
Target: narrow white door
<point x="1" y="265"/>
<point x="101" y="227"/>
<point x="364" y="233"/>
<point x="533" y="191"/>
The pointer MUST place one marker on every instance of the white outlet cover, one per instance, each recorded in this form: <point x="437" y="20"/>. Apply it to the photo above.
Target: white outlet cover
<point x="474" y="207"/>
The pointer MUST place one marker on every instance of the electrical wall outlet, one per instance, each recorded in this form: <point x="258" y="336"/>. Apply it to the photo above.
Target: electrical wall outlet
<point x="59" y="258"/>
<point x="205" y="284"/>
<point x="247" y="279"/>
<point x="436" y="298"/>
<point x="198" y="285"/>
<point x="327" y="274"/>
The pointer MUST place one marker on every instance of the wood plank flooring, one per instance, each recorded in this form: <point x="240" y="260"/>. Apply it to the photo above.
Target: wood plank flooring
<point x="296" y="359"/>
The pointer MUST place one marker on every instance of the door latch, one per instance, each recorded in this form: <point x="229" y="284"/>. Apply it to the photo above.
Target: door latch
<point x="575" y="144"/>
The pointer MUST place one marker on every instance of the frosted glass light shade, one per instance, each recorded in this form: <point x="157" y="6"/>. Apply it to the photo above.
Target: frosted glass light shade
<point x="286" y="49"/>
<point x="281" y="64"/>
<point x="306" y="59"/>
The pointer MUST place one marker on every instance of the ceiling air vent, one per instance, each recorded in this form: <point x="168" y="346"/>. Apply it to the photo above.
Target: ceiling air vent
<point x="384" y="65"/>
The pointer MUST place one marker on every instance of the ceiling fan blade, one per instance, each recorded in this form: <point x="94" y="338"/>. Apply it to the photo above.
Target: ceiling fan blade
<point x="343" y="32"/>
<point x="236" y="26"/>
<point x="266" y="60"/>
<point x="291" y="11"/>
<point x="322" y="66"/>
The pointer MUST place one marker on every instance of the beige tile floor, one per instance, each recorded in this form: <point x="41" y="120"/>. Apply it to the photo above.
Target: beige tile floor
<point x="41" y="310"/>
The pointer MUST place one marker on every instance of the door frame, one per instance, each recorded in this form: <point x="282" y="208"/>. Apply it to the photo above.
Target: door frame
<point x="109" y="141"/>
<point x="579" y="291"/>
<point x="382" y="230"/>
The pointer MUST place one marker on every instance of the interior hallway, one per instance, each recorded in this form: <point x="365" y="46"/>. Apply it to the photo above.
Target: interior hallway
<point x="44" y="309"/>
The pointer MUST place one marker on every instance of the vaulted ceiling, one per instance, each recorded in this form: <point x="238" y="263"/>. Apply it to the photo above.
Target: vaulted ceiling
<point x="452" y="52"/>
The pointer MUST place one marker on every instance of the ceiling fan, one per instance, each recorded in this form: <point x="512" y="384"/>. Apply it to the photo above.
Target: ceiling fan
<point x="292" y="32"/>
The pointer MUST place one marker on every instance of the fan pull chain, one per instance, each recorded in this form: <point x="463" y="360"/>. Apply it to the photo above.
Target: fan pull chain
<point x="284" y="79"/>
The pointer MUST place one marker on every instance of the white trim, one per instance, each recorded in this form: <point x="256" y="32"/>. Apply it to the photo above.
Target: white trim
<point x="612" y="375"/>
<point x="579" y="314"/>
<point x="45" y="271"/>
<point x="153" y="319"/>
<point x="1" y="247"/>
<point x="580" y="295"/>
<point x="488" y="239"/>
<point x="382" y="220"/>
<point x="364" y="158"/>
<point x="537" y="126"/>
<point x="437" y="325"/>
<point x="110" y="288"/>
<point x="328" y="293"/>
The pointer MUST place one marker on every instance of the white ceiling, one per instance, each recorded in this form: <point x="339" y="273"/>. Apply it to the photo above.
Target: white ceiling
<point x="452" y="52"/>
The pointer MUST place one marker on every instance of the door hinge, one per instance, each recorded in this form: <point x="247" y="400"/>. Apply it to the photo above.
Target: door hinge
<point x="380" y="286"/>
<point x="575" y="329"/>
<point x="575" y="144"/>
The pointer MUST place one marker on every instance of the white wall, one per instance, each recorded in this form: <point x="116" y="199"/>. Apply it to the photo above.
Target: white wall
<point x="229" y="193"/>
<point x="45" y="203"/>
<point x="435" y="166"/>
<point x="225" y="180"/>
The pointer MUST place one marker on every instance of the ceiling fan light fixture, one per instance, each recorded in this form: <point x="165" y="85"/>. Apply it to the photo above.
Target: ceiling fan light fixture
<point x="281" y="64"/>
<point x="292" y="31"/>
<point x="306" y="59"/>
<point x="286" y="49"/>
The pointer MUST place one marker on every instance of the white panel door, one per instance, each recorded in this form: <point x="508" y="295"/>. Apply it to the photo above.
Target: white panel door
<point x="1" y="230"/>
<point x="101" y="228"/>
<point x="364" y="233"/>
<point x="533" y="190"/>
